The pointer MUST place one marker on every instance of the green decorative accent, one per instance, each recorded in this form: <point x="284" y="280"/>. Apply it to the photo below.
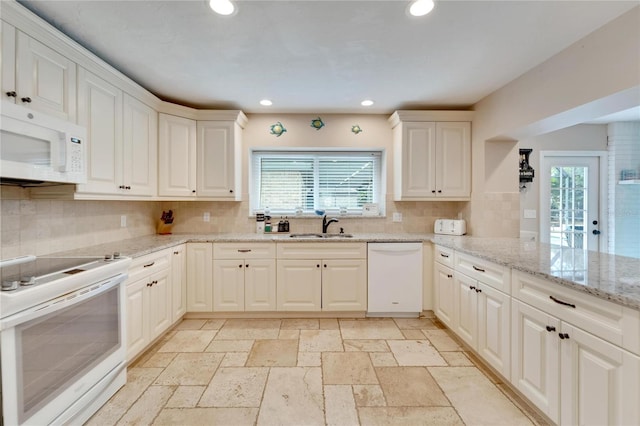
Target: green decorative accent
<point x="278" y="129"/>
<point x="317" y="123"/>
<point x="356" y="129"/>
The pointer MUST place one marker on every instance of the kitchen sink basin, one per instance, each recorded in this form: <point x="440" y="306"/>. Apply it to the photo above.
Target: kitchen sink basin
<point x="321" y="236"/>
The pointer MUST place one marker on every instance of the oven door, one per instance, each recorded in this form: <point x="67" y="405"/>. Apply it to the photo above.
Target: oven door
<point x="54" y="353"/>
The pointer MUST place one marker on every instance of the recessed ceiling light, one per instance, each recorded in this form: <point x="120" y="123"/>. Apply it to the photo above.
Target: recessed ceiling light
<point x="366" y="102"/>
<point x="266" y="102"/>
<point x="421" y="7"/>
<point x="222" y="7"/>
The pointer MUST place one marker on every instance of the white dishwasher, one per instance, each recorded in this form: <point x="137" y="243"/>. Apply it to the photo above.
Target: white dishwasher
<point x="395" y="279"/>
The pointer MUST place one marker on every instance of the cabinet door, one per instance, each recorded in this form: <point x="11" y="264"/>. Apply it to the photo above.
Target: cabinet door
<point x="600" y="383"/>
<point x="178" y="283"/>
<point x="444" y="294"/>
<point x="216" y="162"/>
<point x="199" y="277"/>
<point x="137" y="323"/>
<point x="46" y="77"/>
<point x="260" y="285"/>
<point x="466" y="309"/>
<point x="160" y="310"/>
<point x="453" y="159"/>
<point x="299" y="285"/>
<point x="8" y="61"/>
<point x="140" y="156"/>
<point x="344" y="285"/>
<point x="176" y="156"/>
<point x="100" y="105"/>
<point x="418" y="160"/>
<point x="228" y="285"/>
<point x="494" y="328"/>
<point x="535" y="357"/>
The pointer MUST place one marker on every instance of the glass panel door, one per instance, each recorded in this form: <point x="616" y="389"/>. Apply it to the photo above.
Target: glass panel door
<point x="569" y="202"/>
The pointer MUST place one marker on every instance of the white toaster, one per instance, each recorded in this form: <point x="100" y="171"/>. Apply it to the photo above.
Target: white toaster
<point x="450" y="226"/>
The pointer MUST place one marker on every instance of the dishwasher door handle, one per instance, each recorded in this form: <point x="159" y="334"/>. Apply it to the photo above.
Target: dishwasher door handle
<point x="395" y="249"/>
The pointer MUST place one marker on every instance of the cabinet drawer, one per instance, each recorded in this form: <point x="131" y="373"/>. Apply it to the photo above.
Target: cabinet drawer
<point x="322" y="250"/>
<point x="149" y="264"/>
<point x="612" y="322"/>
<point x="497" y="276"/>
<point x="444" y="255"/>
<point x="244" y="251"/>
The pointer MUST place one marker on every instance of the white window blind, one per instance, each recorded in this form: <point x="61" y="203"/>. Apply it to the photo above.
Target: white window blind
<point x="286" y="181"/>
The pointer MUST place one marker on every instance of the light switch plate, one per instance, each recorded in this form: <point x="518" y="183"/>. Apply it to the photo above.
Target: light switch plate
<point x="123" y="221"/>
<point x="397" y="217"/>
<point x="206" y="217"/>
<point x="529" y="213"/>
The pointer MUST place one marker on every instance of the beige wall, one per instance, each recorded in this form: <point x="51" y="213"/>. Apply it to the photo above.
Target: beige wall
<point x="596" y="76"/>
<point x="234" y="217"/>
<point x="583" y="137"/>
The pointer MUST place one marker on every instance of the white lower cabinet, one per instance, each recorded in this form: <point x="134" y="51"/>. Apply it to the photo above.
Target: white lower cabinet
<point x="310" y="277"/>
<point x="244" y="277"/>
<point x="535" y="360"/>
<point x="199" y="277"/>
<point x="443" y="294"/>
<point x="260" y="285"/>
<point x="571" y="375"/>
<point x="149" y="306"/>
<point x="599" y="382"/>
<point x="344" y="285"/>
<point x="299" y="285"/>
<point x="179" y="281"/>
<point x="482" y="319"/>
<point x="322" y="285"/>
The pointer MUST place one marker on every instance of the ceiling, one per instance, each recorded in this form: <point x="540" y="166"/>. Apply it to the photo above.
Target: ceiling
<point x="326" y="56"/>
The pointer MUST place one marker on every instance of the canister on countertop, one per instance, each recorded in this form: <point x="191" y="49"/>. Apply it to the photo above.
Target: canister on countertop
<point x="259" y="223"/>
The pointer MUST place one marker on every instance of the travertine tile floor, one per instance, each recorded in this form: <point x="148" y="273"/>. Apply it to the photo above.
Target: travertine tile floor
<point x="308" y="372"/>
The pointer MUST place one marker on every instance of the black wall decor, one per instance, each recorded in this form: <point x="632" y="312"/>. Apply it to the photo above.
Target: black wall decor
<point x="526" y="171"/>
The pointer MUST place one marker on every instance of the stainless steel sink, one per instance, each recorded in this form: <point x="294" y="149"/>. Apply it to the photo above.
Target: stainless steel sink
<point x="321" y="236"/>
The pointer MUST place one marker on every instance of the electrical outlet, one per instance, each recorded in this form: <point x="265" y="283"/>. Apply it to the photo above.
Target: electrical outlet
<point x="529" y="213"/>
<point x="397" y="217"/>
<point x="206" y="217"/>
<point x="123" y="221"/>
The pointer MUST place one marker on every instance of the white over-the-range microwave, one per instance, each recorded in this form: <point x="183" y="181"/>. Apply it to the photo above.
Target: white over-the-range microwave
<point x="39" y="148"/>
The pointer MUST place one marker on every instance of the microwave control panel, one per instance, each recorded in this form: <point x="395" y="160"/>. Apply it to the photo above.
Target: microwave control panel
<point x="74" y="155"/>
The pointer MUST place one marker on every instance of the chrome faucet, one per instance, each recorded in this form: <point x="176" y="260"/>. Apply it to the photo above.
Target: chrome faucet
<point x="326" y="223"/>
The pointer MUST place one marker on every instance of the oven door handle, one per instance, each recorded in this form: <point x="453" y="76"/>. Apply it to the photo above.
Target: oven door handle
<point x="62" y="302"/>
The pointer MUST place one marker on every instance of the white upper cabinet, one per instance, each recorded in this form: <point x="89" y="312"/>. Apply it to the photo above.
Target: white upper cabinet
<point x="218" y="160"/>
<point x="200" y="159"/>
<point x="37" y="76"/>
<point x="176" y="156"/>
<point x="453" y="159"/>
<point x="432" y="159"/>
<point x="123" y="137"/>
<point x="140" y="150"/>
<point x="100" y="107"/>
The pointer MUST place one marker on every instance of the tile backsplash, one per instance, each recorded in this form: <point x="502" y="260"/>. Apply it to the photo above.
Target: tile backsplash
<point x="40" y="227"/>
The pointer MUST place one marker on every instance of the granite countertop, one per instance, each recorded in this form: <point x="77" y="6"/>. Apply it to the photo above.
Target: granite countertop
<point x="614" y="278"/>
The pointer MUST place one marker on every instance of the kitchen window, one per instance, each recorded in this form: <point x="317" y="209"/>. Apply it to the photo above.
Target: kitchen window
<point x="301" y="182"/>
